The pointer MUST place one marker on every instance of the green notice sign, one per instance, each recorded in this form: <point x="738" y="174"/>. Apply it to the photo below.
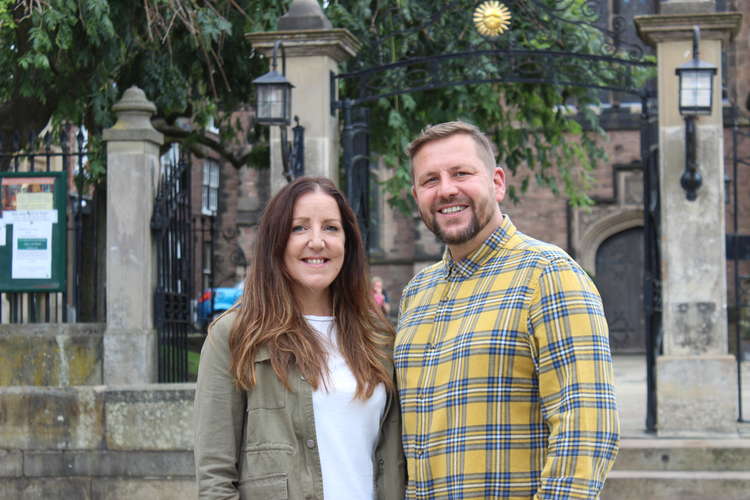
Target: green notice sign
<point x="33" y="235"/>
<point x="32" y="244"/>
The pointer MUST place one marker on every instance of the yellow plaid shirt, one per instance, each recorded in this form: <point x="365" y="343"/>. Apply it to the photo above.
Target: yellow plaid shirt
<point x="505" y="375"/>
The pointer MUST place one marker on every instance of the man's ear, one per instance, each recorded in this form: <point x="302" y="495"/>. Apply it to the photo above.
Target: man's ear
<point x="498" y="181"/>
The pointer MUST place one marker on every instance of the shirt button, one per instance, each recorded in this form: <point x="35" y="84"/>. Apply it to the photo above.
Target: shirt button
<point x="310" y="443"/>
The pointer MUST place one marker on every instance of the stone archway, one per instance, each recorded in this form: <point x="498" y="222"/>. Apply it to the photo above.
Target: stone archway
<point x="610" y="247"/>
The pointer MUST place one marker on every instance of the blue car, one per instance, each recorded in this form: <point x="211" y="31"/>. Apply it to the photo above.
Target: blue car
<point x="214" y="301"/>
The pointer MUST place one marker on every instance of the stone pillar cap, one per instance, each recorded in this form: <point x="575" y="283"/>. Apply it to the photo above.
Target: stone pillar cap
<point x="304" y="15"/>
<point x="654" y="29"/>
<point x="134" y="99"/>
<point x="339" y="44"/>
<point x="134" y="113"/>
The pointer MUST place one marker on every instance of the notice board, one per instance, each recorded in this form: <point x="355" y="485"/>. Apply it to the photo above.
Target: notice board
<point x="33" y="235"/>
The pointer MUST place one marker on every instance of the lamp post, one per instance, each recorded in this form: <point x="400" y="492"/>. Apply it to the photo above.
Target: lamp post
<point x="274" y="107"/>
<point x="696" y="83"/>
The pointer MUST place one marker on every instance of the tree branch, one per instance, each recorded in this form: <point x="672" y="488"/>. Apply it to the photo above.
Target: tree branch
<point x="198" y="142"/>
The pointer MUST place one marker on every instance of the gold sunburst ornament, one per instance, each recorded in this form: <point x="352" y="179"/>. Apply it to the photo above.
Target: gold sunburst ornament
<point x="491" y="18"/>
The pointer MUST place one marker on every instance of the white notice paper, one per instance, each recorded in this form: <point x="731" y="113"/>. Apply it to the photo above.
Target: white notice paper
<point x="32" y="250"/>
<point x="2" y="233"/>
<point x="16" y="216"/>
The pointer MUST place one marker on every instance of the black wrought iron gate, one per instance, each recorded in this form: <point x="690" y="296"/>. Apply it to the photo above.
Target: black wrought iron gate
<point x="652" y="257"/>
<point x="738" y="244"/>
<point x="171" y="224"/>
<point x="356" y="150"/>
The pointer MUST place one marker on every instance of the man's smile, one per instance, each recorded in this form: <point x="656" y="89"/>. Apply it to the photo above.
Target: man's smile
<point x="452" y="209"/>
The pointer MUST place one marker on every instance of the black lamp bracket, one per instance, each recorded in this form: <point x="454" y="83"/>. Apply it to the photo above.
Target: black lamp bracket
<point x="691" y="179"/>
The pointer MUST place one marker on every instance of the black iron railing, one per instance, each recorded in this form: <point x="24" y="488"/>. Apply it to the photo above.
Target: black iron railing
<point x="738" y="244"/>
<point x="68" y="153"/>
<point x="171" y="223"/>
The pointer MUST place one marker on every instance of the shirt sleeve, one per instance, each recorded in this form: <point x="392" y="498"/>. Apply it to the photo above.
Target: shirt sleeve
<point x="218" y="418"/>
<point x="576" y="382"/>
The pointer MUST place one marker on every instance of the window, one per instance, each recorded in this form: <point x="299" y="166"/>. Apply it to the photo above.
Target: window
<point x="211" y="171"/>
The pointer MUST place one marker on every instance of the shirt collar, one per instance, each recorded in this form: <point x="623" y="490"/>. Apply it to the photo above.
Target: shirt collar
<point x="468" y="265"/>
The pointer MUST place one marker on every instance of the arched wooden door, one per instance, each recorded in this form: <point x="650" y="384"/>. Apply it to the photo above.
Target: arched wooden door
<point x="619" y="277"/>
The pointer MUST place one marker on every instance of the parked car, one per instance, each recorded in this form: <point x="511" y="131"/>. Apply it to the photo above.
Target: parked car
<point x="214" y="301"/>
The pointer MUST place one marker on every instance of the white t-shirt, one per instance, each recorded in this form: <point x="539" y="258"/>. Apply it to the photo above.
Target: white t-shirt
<point x="347" y="428"/>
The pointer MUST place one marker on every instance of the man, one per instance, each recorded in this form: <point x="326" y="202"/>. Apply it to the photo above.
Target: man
<point x="502" y="352"/>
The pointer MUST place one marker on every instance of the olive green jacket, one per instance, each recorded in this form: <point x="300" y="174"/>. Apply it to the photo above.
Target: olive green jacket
<point x="261" y="444"/>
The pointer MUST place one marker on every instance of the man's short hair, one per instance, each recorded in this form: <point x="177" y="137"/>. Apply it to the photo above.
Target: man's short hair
<point x="485" y="149"/>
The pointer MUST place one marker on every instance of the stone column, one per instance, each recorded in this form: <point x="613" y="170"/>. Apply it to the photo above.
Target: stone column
<point x="132" y="179"/>
<point x="313" y="51"/>
<point x="696" y="381"/>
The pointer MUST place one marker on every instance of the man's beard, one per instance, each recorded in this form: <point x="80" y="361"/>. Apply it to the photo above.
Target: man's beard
<point x="467" y="234"/>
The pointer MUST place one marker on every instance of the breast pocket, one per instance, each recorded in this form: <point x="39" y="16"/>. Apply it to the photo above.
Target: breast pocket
<point x="267" y="487"/>
<point x="268" y="393"/>
<point x="269" y="426"/>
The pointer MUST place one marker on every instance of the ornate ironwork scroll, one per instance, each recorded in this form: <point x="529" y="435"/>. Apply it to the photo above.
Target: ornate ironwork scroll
<point x="567" y="43"/>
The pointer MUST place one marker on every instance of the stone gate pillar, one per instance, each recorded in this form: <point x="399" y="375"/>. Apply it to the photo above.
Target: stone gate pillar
<point x="313" y="51"/>
<point x="696" y="381"/>
<point x="132" y="179"/>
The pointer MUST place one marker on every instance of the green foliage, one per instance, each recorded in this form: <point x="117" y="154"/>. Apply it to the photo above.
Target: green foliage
<point x="71" y="60"/>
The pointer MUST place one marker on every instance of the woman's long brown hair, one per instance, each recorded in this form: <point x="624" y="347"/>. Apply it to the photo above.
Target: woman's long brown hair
<point x="270" y="316"/>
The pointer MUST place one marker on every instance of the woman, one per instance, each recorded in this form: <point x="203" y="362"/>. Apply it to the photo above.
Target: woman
<point x="295" y="395"/>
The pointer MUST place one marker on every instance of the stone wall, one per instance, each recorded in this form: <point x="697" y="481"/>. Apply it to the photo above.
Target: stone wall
<point x="97" y="442"/>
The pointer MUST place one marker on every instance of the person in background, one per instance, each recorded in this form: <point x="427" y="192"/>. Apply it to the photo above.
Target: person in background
<point x="380" y="296"/>
<point x="502" y="353"/>
<point x="295" y="395"/>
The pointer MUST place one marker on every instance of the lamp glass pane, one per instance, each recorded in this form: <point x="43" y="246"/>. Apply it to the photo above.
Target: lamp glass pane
<point x="695" y="89"/>
<point x="271" y="102"/>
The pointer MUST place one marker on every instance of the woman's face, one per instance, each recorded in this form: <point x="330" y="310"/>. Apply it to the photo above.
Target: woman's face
<point x="315" y="250"/>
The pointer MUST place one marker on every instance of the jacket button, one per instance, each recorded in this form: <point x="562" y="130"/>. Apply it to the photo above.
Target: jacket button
<point x="310" y="443"/>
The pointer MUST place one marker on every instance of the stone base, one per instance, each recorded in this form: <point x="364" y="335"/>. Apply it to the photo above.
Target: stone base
<point x="696" y="396"/>
<point x="129" y="356"/>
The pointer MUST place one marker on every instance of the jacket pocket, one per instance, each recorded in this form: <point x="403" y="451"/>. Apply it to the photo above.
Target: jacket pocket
<point x="268" y="393"/>
<point x="267" y="487"/>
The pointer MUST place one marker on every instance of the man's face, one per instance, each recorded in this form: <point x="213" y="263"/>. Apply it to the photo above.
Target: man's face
<point x="456" y="194"/>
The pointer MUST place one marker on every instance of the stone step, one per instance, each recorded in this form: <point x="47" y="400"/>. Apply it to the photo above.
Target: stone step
<point x="676" y="485"/>
<point x="706" y="455"/>
<point x="680" y="469"/>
